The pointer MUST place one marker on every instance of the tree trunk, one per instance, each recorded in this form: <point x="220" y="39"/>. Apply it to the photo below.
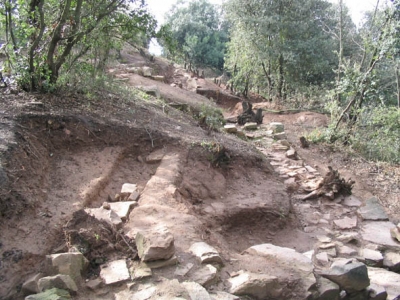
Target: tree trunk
<point x="340" y="54"/>
<point x="281" y="77"/>
<point x="398" y="84"/>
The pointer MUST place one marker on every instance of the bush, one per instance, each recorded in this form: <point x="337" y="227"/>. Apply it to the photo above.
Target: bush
<point x="377" y="134"/>
<point x="211" y="117"/>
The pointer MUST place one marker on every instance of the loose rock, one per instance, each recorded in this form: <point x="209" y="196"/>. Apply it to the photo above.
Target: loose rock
<point x="114" y="272"/>
<point x="155" y="245"/>
<point x="373" y="210"/>
<point x="351" y="277"/>
<point x="59" y="281"/>
<point x="73" y="264"/>
<point x="206" y="253"/>
<point x="259" y="286"/>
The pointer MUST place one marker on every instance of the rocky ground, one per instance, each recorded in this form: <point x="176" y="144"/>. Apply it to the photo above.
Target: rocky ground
<point x="105" y="197"/>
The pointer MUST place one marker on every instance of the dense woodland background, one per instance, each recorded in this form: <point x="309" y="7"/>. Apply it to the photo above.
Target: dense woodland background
<point x="302" y="54"/>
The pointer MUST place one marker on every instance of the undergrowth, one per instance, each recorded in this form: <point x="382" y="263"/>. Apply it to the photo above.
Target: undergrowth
<point x="375" y="135"/>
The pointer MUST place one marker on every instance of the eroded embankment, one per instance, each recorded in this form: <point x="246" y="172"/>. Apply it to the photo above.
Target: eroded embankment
<point x="58" y="165"/>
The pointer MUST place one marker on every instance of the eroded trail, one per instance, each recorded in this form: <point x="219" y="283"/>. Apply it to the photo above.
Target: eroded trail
<point x="199" y="230"/>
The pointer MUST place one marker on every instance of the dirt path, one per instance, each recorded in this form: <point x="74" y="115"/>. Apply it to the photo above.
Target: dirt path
<point x="75" y="157"/>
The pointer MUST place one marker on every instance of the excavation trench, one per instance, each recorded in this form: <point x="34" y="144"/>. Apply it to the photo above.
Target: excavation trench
<point x="59" y="165"/>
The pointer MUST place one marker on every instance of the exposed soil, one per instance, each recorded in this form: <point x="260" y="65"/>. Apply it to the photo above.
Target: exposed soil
<point x="72" y="152"/>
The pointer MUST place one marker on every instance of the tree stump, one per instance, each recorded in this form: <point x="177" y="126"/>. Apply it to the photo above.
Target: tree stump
<point x="248" y="114"/>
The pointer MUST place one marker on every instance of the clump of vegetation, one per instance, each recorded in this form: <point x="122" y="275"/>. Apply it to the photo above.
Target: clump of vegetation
<point x="217" y="154"/>
<point x="211" y="118"/>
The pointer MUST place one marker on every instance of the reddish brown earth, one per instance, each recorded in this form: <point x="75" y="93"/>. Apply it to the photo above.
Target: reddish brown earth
<point x="76" y="151"/>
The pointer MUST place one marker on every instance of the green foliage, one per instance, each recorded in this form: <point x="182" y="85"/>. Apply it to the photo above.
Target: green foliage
<point x="46" y="37"/>
<point x="377" y="134"/>
<point x="211" y="117"/>
<point x="279" y="45"/>
<point x="199" y="33"/>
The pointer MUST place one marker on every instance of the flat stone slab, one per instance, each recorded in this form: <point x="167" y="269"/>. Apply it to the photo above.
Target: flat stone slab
<point x="107" y="215"/>
<point x="389" y="280"/>
<point x="114" y="272"/>
<point x="205" y="275"/>
<point x="372" y="258"/>
<point x="373" y="210"/>
<point x="122" y="209"/>
<point x="260" y="286"/>
<point x="128" y="188"/>
<point x="352" y="201"/>
<point x="379" y="233"/>
<point x="196" y="291"/>
<point x="346" y="223"/>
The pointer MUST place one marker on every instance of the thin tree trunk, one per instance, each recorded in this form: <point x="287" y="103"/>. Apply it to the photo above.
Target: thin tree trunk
<point x="398" y="84"/>
<point x="281" y="77"/>
<point x="340" y="54"/>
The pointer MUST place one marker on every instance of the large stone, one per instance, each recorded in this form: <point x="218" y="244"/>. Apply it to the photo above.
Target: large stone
<point x="205" y="276"/>
<point x="352" y="277"/>
<point x="373" y="210"/>
<point x="155" y="244"/>
<point x="155" y="156"/>
<point x="73" y="264"/>
<point x="294" y="262"/>
<point x="147" y="71"/>
<point x="384" y="239"/>
<point x="387" y="279"/>
<point x="196" y="291"/>
<point x="230" y="128"/>
<point x="259" y="286"/>
<point x="395" y="233"/>
<point x="277" y="127"/>
<point x="122" y="209"/>
<point x="128" y="188"/>
<point x="114" y="272"/>
<point x="327" y="289"/>
<point x="377" y="292"/>
<point x="291" y="154"/>
<point x="59" y="281"/>
<point x="140" y="270"/>
<point x="51" y="294"/>
<point x="372" y="258"/>
<point x="346" y="223"/>
<point x="391" y="261"/>
<point x="30" y="286"/>
<point x="250" y="126"/>
<point x="352" y="201"/>
<point x="107" y="215"/>
<point x="206" y="253"/>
